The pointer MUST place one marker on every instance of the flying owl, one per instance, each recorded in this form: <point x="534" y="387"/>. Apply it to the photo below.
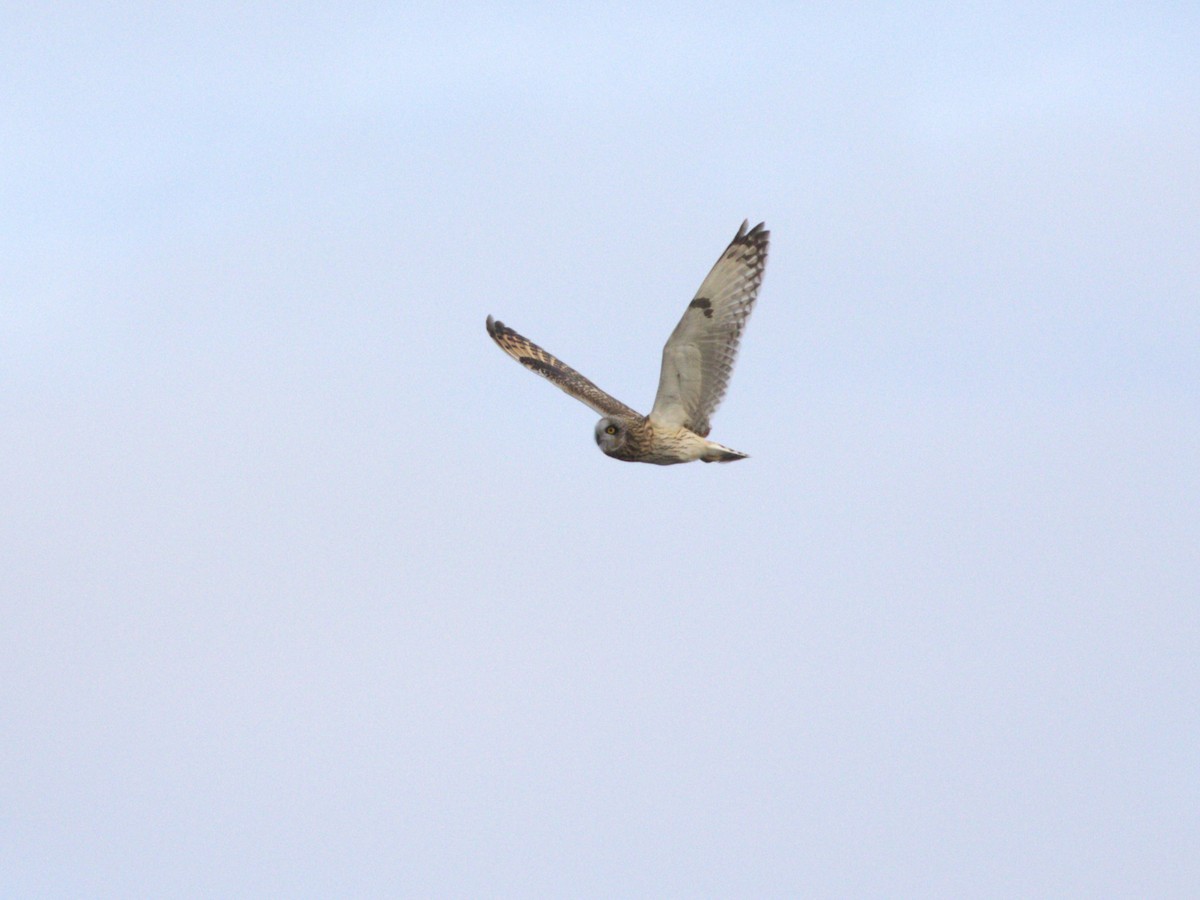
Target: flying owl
<point x="696" y="363"/>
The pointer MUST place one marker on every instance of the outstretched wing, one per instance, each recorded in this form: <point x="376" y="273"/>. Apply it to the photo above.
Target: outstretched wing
<point x="534" y="358"/>
<point x="698" y="357"/>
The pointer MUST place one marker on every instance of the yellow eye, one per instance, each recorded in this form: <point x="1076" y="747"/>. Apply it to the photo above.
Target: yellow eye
<point x="611" y="429"/>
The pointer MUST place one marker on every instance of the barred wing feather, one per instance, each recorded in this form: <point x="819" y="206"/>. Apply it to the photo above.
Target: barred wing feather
<point x="699" y="355"/>
<point x="550" y="367"/>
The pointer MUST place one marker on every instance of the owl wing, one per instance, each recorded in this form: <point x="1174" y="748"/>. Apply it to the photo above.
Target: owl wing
<point x="534" y="358"/>
<point x="698" y="357"/>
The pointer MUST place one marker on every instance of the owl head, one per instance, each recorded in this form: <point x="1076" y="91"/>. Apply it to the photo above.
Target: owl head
<point x="611" y="435"/>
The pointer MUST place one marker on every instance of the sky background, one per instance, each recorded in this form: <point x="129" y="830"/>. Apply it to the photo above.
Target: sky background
<point x="309" y="590"/>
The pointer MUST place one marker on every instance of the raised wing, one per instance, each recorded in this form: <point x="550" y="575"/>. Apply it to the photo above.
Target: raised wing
<point x="534" y="358"/>
<point x="699" y="355"/>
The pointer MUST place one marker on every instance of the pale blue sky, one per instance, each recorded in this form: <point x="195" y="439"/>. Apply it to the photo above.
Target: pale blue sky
<point x="311" y="591"/>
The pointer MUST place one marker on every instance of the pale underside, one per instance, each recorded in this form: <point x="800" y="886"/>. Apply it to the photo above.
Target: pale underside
<point x="699" y="355"/>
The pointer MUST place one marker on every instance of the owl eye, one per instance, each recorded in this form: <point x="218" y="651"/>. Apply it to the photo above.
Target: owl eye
<point x="611" y="429"/>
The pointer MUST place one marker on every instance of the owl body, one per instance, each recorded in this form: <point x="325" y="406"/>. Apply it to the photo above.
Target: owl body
<point x="697" y="361"/>
<point x="640" y="440"/>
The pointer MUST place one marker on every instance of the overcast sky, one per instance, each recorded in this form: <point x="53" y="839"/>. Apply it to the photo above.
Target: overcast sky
<point x="309" y="590"/>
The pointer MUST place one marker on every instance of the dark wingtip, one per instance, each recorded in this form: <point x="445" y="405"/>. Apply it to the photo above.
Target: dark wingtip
<point x="758" y="231"/>
<point x="493" y="325"/>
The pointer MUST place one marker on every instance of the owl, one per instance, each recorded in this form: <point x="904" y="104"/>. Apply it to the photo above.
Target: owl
<point x="696" y="363"/>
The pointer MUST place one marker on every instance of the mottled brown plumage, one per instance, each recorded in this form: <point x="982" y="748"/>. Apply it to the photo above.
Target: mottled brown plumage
<point x="550" y="367"/>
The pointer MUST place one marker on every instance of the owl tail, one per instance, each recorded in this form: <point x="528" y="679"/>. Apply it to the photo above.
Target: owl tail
<point x="714" y="452"/>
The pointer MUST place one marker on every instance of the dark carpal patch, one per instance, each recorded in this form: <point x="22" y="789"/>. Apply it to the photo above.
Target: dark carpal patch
<point x="537" y="365"/>
<point x="703" y="303"/>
